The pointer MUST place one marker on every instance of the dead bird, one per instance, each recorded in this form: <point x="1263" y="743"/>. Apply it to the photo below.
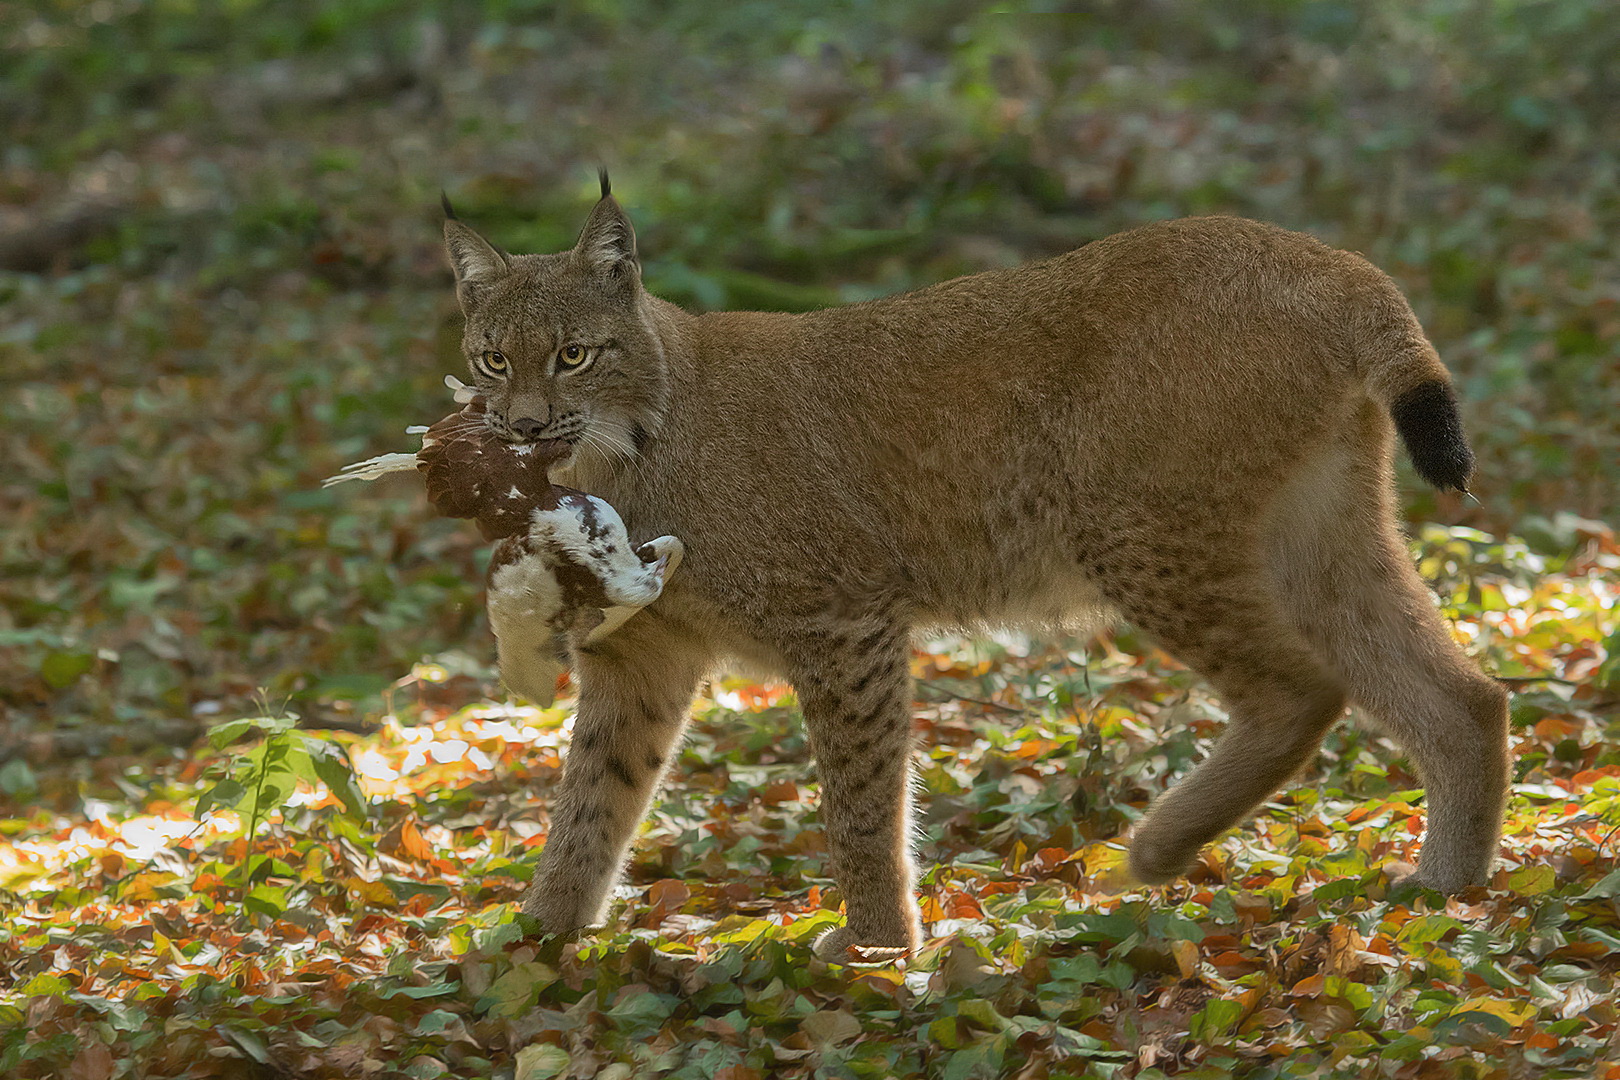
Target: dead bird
<point x="564" y="570"/>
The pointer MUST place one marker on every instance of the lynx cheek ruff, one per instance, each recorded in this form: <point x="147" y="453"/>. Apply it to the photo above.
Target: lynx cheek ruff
<point x="563" y="568"/>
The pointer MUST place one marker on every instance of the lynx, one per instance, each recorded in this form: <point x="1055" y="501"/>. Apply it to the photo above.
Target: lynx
<point x="1188" y="426"/>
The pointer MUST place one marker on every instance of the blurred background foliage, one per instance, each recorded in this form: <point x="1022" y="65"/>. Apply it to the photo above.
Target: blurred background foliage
<point x="220" y="272"/>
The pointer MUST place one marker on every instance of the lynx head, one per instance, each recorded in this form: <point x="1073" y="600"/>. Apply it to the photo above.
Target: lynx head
<point x="562" y="346"/>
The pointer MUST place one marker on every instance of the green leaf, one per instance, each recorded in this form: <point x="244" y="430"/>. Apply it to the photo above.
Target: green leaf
<point x="1097" y="928"/>
<point x="432" y="990"/>
<point x="540" y="1062"/>
<point x="645" y="1011"/>
<point x="404" y="888"/>
<point x="247" y="1042"/>
<point x="222" y="735"/>
<point x="1215" y="1020"/>
<point x="269" y="774"/>
<point x="514" y="992"/>
<point x="1606" y="889"/>
<point x="946" y="1032"/>
<point x="46" y="984"/>
<point x="979" y="1060"/>
<point x="277" y="725"/>
<point x="332" y="768"/>
<point x="1533" y="880"/>
<point x="225" y="794"/>
<point x="61" y="670"/>
<point x="1168" y="924"/>
<point x="1427" y="928"/>
<point x="268" y="900"/>
<point x="436" y="1022"/>
<point x="17" y="779"/>
<point x="1081" y="970"/>
<point x="982" y="1013"/>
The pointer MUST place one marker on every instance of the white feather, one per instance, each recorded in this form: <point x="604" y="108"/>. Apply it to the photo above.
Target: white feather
<point x="462" y="391"/>
<point x="523" y="597"/>
<point x="372" y="468"/>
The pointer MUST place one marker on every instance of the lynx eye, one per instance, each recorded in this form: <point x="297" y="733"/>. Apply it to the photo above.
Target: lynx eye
<point x="493" y="363"/>
<point x="570" y="357"/>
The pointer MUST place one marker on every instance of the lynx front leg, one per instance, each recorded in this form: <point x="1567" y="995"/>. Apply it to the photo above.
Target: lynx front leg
<point x="635" y="688"/>
<point x="857" y="705"/>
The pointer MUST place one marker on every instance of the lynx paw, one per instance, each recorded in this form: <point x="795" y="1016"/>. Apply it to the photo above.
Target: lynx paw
<point x="841" y="945"/>
<point x="1154" y="862"/>
<point x="1447" y="885"/>
<point x="559" y="912"/>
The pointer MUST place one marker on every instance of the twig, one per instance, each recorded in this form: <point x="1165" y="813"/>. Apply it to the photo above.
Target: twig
<point x="1519" y="680"/>
<point x="338" y="723"/>
<point x="976" y="701"/>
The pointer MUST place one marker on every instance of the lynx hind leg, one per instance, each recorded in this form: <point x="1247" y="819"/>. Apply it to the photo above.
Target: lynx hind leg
<point x="634" y="692"/>
<point x="1279" y="698"/>
<point x="1351" y="587"/>
<point x="856" y="695"/>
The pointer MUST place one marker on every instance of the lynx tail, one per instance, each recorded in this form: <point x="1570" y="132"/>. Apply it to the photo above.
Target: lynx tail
<point x="1426" y="416"/>
<point x="1405" y="375"/>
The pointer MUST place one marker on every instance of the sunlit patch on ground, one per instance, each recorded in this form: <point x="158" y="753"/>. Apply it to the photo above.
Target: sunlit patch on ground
<point x="392" y="946"/>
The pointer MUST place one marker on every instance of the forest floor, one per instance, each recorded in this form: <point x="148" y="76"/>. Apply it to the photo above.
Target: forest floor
<point x="369" y="926"/>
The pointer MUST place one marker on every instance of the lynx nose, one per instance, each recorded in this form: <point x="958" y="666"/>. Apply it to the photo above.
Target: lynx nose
<point x="528" y="429"/>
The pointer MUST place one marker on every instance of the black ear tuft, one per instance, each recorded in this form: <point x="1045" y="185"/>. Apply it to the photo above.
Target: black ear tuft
<point x="602" y="178"/>
<point x="449" y="211"/>
<point x="608" y="243"/>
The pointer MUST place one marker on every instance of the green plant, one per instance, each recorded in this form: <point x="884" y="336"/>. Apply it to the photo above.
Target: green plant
<point x="262" y="781"/>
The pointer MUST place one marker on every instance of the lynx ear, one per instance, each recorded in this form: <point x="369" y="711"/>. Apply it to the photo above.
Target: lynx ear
<point x="476" y="263"/>
<point x="608" y="244"/>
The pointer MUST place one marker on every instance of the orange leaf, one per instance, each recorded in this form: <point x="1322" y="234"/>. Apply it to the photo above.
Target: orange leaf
<point x="407" y="840"/>
<point x="372" y="892"/>
<point x="759" y="696"/>
<point x="1559" y="727"/>
<point x="1186" y="954"/>
<point x="1311" y="986"/>
<point x="1590" y="776"/>
<point x="1048" y="858"/>
<point x="780" y="792"/>
<point x="666" y="898"/>
<point x="1343" y="946"/>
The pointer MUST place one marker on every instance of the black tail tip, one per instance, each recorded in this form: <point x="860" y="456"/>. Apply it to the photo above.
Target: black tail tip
<point x="1427" y="418"/>
<point x="602" y="178"/>
<point x="444" y="201"/>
